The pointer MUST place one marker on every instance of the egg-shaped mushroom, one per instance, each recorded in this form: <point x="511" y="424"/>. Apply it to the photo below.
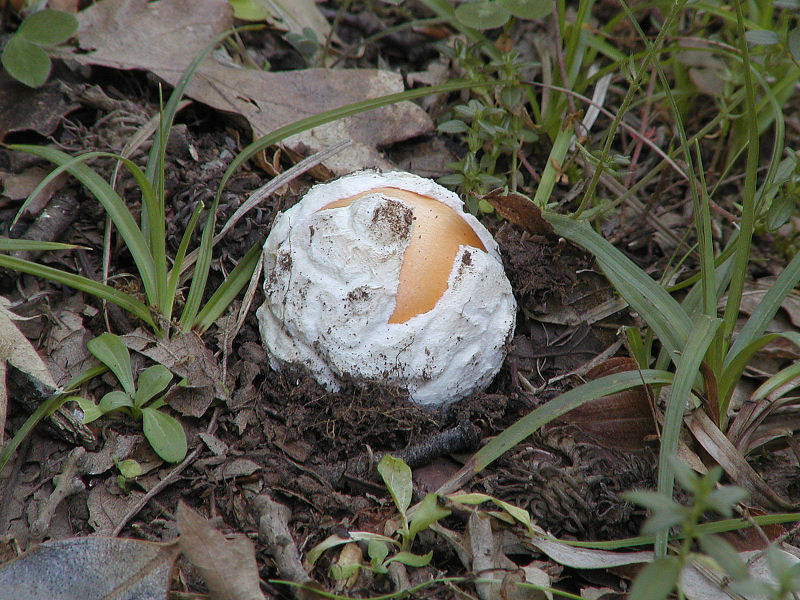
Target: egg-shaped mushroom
<point x="382" y="277"/>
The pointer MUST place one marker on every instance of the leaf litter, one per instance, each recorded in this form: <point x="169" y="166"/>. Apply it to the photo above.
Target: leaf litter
<point x="285" y="426"/>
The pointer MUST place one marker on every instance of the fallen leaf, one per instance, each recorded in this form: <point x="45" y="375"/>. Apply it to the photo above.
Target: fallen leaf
<point x="587" y="558"/>
<point x="18" y="186"/>
<point x="23" y="108"/>
<point x="623" y="421"/>
<point x="107" y="509"/>
<point x="228" y="566"/>
<point x="521" y="211"/>
<point x="19" y="352"/>
<point x="16" y="350"/>
<point x="124" y="34"/>
<point x="90" y="568"/>
<point x="188" y="357"/>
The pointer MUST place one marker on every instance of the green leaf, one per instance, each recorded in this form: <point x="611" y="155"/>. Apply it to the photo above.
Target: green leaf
<point x="482" y="15"/>
<point x="410" y="559"/>
<point x="337" y="540"/>
<point x="597" y="388"/>
<point x="129" y="468"/>
<point x="17" y="245"/>
<point x="733" y="369"/>
<point x="527" y="9"/>
<point x="762" y="37"/>
<point x="793" y="42"/>
<point x="780" y="211"/>
<point x="89" y="409"/>
<point x="765" y="310"/>
<point x="114" y="401"/>
<point x="662" y="521"/>
<point x="688" y="365"/>
<point x="228" y="289"/>
<point x="110" y="351"/>
<point x="377" y="552"/>
<point x="48" y="27"/>
<point x="453" y="126"/>
<point x="427" y="512"/>
<point x="249" y="10"/>
<point x="165" y="434"/>
<point x="725" y="498"/>
<point x="397" y="476"/>
<point x="152" y="381"/>
<point x="26" y="62"/>
<point x="113" y="204"/>
<point x="725" y="555"/>
<point x="656" y="580"/>
<point x="83" y="284"/>
<point x="650" y="500"/>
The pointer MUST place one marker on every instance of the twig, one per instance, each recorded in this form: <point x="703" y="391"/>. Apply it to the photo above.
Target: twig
<point x="464" y="437"/>
<point x="67" y="483"/>
<point x="273" y="531"/>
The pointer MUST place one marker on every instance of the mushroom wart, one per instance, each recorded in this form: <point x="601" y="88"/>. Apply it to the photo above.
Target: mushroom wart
<point x="383" y="277"/>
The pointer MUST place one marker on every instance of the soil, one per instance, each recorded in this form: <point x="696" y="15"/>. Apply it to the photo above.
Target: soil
<point x="315" y="450"/>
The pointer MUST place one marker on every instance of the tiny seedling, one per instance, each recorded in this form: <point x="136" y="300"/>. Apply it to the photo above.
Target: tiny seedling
<point x="129" y="470"/>
<point x="396" y="475"/>
<point x="164" y="432"/>
<point x="25" y="56"/>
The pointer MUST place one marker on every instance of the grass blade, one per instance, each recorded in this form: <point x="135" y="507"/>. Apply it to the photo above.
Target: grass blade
<point x="747" y="221"/>
<point x="766" y="309"/>
<point x="737" y="363"/>
<point x="44" y="410"/>
<point x="21" y="245"/>
<point x="173" y="279"/>
<point x="597" y="388"/>
<point x="228" y="290"/>
<point x="663" y="313"/>
<point x="113" y="204"/>
<point x="688" y="365"/>
<point x="83" y="284"/>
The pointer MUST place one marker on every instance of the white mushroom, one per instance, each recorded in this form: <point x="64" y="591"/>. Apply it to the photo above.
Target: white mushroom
<point x="383" y="277"/>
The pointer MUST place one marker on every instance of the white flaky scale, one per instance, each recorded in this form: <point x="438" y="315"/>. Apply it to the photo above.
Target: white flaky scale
<point x="382" y="277"/>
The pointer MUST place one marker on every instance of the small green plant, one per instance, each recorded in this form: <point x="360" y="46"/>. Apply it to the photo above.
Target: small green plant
<point x="139" y="400"/>
<point x="396" y="476"/>
<point x="129" y="469"/>
<point x="493" y="126"/>
<point x="659" y="578"/>
<point x="25" y="56"/>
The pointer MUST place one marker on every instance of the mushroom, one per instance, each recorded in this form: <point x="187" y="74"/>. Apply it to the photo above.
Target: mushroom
<point x="382" y="277"/>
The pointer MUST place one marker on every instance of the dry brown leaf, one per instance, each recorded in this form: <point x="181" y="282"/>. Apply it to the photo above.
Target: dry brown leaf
<point x="23" y="108"/>
<point x="228" y="566"/>
<point x="188" y="357"/>
<point x="732" y="461"/>
<point x="622" y="421"/>
<point x="521" y="211"/>
<point x="125" y="34"/>
<point x="19" y="352"/>
<point x="16" y="350"/>
<point x="90" y="568"/>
